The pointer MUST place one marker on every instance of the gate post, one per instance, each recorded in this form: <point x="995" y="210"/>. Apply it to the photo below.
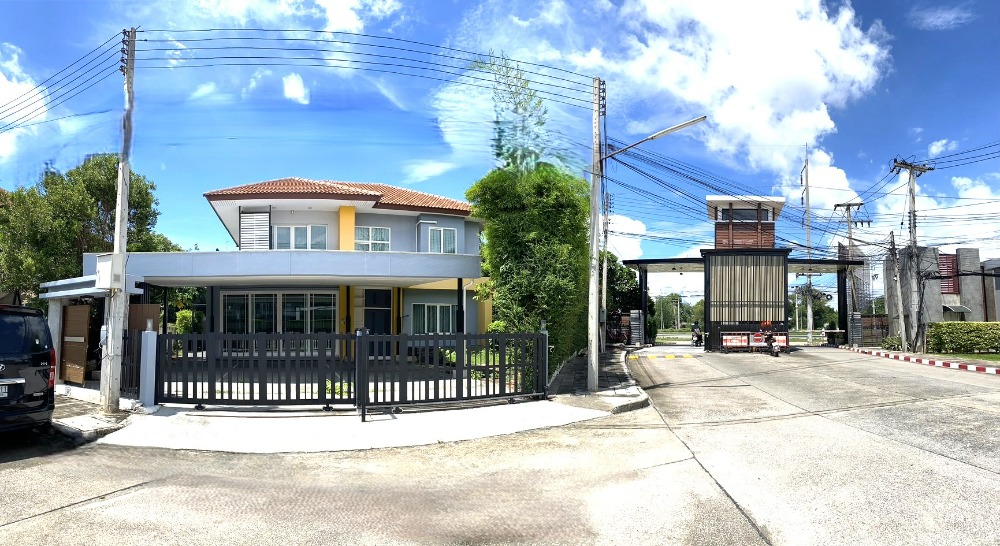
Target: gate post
<point x="542" y="375"/>
<point x="461" y="366"/>
<point x="361" y="371"/>
<point x="147" y="370"/>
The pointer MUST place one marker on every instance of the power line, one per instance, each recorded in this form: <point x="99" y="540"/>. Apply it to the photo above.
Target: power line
<point x="38" y="87"/>
<point x="362" y="35"/>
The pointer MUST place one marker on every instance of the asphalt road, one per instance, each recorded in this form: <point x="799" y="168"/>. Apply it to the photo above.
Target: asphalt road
<point x="819" y="447"/>
<point x="825" y="446"/>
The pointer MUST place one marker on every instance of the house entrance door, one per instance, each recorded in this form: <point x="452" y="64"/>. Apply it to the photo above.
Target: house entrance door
<point x="378" y="318"/>
<point x="75" y="340"/>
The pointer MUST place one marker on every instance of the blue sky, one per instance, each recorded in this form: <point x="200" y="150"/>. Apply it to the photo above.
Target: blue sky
<point x="859" y="83"/>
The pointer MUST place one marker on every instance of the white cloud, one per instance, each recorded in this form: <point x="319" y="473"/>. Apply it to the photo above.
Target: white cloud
<point x="419" y="171"/>
<point x="19" y="98"/>
<point x="938" y="147"/>
<point x="255" y="81"/>
<point x="203" y="90"/>
<point x="626" y="248"/>
<point x="939" y="17"/>
<point x="295" y="89"/>
<point x="387" y="91"/>
<point x="735" y="66"/>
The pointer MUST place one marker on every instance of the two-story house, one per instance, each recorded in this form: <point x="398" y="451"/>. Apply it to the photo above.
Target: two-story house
<point x="323" y="256"/>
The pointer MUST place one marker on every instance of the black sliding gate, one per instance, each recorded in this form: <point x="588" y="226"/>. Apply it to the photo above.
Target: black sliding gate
<point x="366" y="370"/>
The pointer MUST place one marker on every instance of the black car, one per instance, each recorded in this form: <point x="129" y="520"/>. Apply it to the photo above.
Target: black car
<point x="27" y="369"/>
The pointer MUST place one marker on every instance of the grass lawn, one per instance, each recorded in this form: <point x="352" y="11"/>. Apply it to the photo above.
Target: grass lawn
<point x="994" y="357"/>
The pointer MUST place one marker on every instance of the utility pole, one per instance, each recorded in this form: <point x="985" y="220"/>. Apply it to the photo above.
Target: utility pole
<point x="850" y="252"/>
<point x="604" y="276"/>
<point x="596" y="178"/>
<point x="116" y="313"/>
<point x="809" y="282"/>
<point x="678" y="317"/>
<point x="899" y="293"/>
<point x="914" y="172"/>
<point x="796" y="296"/>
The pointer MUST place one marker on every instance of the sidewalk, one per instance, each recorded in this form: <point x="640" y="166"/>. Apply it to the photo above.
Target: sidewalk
<point x="310" y="429"/>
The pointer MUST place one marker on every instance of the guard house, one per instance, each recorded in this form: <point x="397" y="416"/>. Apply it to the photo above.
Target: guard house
<point x="746" y="276"/>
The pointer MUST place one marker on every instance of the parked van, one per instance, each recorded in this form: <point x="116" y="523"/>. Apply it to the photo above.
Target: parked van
<point x="27" y="369"/>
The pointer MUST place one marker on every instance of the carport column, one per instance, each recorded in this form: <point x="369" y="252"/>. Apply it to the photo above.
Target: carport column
<point x="460" y="313"/>
<point x="55" y="327"/>
<point x="643" y="289"/>
<point x="147" y="370"/>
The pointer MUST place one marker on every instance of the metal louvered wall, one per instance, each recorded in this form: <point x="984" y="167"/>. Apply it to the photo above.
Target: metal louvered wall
<point x="743" y="290"/>
<point x="255" y="230"/>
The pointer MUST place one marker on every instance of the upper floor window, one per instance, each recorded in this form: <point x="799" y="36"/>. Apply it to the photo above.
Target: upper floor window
<point x="375" y="239"/>
<point x="745" y="215"/>
<point x="300" y="237"/>
<point x="443" y="240"/>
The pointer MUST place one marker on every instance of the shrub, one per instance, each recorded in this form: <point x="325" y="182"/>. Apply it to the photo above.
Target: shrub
<point x="892" y="343"/>
<point x="338" y="389"/>
<point x="963" y="337"/>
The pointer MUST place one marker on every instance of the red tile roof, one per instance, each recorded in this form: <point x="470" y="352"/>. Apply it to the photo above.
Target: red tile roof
<point x="384" y="196"/>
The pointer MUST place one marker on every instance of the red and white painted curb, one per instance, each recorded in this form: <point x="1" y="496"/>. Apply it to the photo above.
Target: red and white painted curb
<point x="931" y="362"/>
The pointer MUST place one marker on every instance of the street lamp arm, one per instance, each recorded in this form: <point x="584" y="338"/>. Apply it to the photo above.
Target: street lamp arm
<point x="657" y="135"/>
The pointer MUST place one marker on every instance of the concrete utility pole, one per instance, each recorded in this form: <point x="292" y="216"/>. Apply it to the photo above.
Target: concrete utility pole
<point x="899" y="293"/>
<point x="604" y="275"/>
<point x="914" y="172"/>
<point x="850" y="251"/>
<point x="116" y="312"/>
<point x="596" y="177"/>
<point x="678" y="317"/>
<point x="809" y="282"/>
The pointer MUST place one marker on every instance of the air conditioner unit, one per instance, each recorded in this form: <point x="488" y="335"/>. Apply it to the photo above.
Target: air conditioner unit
<point x="110" y="272"/>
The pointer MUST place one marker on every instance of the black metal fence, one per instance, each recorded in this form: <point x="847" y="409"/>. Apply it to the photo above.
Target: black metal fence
<point x="367" y="370"/>
<point x="414" y="369"/>
<point x="131" y="358"/>
<point x="255" y="369"/>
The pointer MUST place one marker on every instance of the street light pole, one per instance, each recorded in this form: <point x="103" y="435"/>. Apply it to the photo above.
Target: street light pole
<point x="596" y="180"/>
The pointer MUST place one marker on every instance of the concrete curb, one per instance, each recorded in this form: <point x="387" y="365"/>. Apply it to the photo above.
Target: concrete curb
<point x="87" y="428"/>
<point x="930" y="362"/>
<point x="632" y="405"/>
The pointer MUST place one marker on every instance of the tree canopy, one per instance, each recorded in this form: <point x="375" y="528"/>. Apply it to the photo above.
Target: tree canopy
<point x="535" y="250"/>
<point x="520" y="138"/>
<point x="46" y="228"/>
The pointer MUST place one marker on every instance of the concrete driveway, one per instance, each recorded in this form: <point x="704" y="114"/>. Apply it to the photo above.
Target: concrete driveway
<point x="826" y="446"/>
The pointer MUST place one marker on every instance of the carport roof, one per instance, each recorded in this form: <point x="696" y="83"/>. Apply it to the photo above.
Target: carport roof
<point x="697" y="265"/>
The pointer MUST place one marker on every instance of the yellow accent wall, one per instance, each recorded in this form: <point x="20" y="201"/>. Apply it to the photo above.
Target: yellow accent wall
<point x="485" y="314"/>
<point x="347" y="228"/>
<point x="343" y="305"/>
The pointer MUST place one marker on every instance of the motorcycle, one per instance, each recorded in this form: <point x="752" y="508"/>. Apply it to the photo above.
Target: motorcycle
<point x="696" y="338"/>
<point x="772" y="345"/>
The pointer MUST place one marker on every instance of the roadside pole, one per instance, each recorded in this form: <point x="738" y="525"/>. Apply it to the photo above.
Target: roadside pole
<point x="116" y="310"/>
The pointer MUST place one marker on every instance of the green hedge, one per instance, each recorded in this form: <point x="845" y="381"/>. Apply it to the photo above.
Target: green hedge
<point x="963" y="337"/>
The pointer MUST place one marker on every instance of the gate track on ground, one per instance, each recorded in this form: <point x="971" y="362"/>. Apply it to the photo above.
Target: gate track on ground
<point x="806" y="412"/>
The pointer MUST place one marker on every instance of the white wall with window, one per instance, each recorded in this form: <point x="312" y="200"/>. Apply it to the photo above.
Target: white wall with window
<point x="435" y="311"/>
<point x="308" y="237"/>
<point x="304" y="230"/>
<point x="443" y="240"/>
<point x="372" y="238"/>
<point x="434" y="318"/>
<point x="303" y="312"/>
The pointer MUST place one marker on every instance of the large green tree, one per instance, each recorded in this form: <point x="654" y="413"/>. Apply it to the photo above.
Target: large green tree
<point x="520" y="138"/>
<point x="535" y="250"/>
<point x="46" y="228"/>
<point x="623" y="286"/>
